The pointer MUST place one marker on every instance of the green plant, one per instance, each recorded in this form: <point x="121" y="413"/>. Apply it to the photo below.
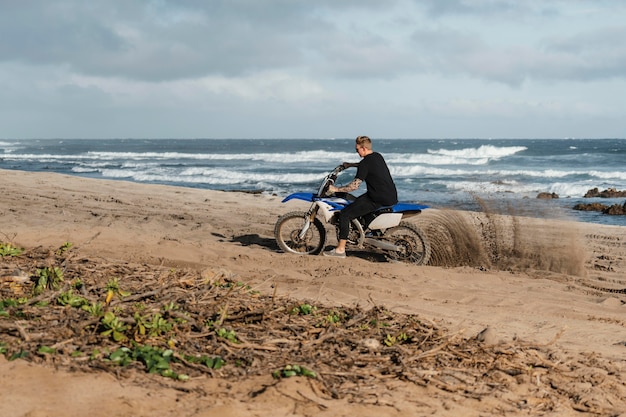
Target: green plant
<point x="113" y="287"/>
<point x="293" y="370"/>
<point x="171" y="306"/>
<point x="303" y="309"/>
<point x="391" y="340"/>
<point x="140" y="324"/>
<point x="158" y="325"/>
<point x="68" y="298"/>
<point x="46" y="350"/>
<point x="213" y="363"/>
<point x="50" y="277"/>
<point x="113" y="327"/>
<point x="18" y="355"/>
<point x="229" y="335"/>
<point x="157" y="361"/>
<point x="333" y="317"/>
<point x="66" y="246"/>
<point x="95" y="309"/>
<point x="5" y="304"/>
<point x="6" y="249"/>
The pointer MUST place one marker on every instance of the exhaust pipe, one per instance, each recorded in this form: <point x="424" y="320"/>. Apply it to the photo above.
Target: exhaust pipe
<point x="382" y="244"/>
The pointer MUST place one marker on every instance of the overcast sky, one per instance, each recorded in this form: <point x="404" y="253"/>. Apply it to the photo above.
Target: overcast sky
<point x="312" y="68"/>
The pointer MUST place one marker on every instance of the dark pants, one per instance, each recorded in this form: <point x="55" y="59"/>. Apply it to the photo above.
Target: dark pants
<point x="362" y="205"/>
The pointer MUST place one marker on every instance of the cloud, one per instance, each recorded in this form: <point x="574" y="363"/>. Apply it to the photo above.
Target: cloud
<point x="147" y="40"/>
<point x="168" y="66"/>
<point x="586" y="56"/>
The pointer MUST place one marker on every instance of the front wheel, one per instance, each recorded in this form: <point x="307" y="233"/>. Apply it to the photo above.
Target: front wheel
<point x="287" y="233"/>
<point x="413" y="246"/>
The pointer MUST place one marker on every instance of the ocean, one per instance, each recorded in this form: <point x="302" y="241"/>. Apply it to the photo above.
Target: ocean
<point x="504" y="175"/>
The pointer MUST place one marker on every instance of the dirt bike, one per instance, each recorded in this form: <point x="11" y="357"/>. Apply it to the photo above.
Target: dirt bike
<point x="304" y="233"/>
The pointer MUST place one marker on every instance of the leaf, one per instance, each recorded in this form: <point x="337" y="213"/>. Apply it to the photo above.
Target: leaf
<point x="119" y="337"/>
<point x="18" y="355"/>
<point x="46" y="349"/>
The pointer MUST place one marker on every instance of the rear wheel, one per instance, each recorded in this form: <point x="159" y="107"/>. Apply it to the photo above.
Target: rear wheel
<point x="414" y="248"/>
<point x="287" y="233"/>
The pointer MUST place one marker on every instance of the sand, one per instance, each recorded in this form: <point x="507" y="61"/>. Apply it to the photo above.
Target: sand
<point x="519" y="280"/>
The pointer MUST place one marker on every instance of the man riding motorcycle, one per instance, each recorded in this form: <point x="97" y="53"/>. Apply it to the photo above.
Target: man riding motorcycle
<point x="381" y="191"/>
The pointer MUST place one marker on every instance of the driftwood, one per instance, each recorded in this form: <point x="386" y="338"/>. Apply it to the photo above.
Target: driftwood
<point x="349" y="349"/>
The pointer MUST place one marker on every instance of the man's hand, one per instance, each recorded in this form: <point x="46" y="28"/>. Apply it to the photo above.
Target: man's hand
<point x="350" y="164"/>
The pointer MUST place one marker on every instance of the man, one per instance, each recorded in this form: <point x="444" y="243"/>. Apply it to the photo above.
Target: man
<point x="381" y="191"/>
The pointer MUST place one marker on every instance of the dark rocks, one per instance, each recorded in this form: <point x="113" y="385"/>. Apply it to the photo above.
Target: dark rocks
<point x="608" y="193"/>
<point x="547" y="196"/>
<point x="590" y="207"/>
<point x="615" y="209"/>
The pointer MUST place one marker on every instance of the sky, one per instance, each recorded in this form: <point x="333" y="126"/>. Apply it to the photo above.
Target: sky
<point x="312" y="69"/>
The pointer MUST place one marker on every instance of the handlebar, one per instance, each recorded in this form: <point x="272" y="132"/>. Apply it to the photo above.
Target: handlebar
<point x="330" y="179"/>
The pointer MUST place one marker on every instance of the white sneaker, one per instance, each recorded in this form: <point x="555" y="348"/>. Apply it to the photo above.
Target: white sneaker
<point x="333" y="253"/>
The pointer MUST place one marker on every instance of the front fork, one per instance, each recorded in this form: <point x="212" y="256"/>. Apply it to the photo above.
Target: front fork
<point x="308" y="219"/>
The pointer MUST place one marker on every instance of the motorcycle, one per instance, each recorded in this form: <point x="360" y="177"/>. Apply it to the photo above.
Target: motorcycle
<point x="304" y="233"/>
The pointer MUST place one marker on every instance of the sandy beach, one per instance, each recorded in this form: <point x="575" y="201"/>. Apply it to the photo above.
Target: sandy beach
<point x="554" y="284"/>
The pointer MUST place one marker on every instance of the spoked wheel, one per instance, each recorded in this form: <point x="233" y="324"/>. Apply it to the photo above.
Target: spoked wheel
<point x="287" y="233"/>
<point x="414" y="248"/>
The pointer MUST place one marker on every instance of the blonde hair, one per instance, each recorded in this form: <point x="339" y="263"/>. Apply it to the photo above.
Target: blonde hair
<point x="364" y="142"/>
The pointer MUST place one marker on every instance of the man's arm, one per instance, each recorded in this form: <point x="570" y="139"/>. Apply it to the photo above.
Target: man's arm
<point x="347" y="188"/>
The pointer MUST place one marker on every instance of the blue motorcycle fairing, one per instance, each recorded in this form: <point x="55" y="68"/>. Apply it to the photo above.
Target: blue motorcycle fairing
<point x="299" y="196"/>
<point x="403" y="207"/>
<point x="339" y="203"/>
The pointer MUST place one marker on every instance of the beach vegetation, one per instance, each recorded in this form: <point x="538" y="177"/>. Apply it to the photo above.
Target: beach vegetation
<point x="333" y="317"/>
<point x="151" y="326"/>
<point x="211" y="362"/>
<point x="68" y="298"/>
<point x="158" y="325"/>
<point x="7" y="249"/>
<point x="46" y="350"/>
<point x="140" y="325"/>
<point x="303" y="309"/>
<point x="95" y="308"/>
<point x="113" y="288"/>
<point x="178" y="326"/>
<point x="229" y="335"/>
<point x="160" y="361"/>
<point x="49" y="277"/>
<point x="391" y="340"/>
<point x="64" y="248"/>
<point x="156" y="361"/>
<point x="293" y="370"/>
<point x="113" y="327"/>
<point x="5" y="305"/>
<point x="114" y="285"/>
<point x="171" y="306"/>
<point x="20" y="354"/>
<point x="139" y="307"/>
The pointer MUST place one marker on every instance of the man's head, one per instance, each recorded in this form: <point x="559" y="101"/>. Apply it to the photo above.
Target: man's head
<point x="363" y="146"/>
<point x="364" y="142"/>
